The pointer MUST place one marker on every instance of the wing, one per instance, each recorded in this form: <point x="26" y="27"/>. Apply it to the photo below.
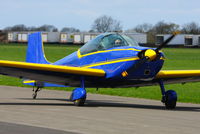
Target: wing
<point x="168" y="76"/>
<point x="65" y="75"/>
<point x="70" y="76"/>
<point x="179" y="76"/>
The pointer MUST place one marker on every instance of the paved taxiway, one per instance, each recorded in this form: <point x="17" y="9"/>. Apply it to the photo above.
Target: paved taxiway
<point x="103" y="114"/>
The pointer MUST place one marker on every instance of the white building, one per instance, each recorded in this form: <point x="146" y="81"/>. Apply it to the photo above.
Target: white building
<point x="61" y="37"/>
<point x="139" y="37"/>
<point x="180" y="39"/>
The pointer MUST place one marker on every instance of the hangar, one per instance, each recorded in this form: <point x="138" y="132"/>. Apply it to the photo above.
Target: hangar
<point x="188" y="40"/>
<point x="73" y="38"/>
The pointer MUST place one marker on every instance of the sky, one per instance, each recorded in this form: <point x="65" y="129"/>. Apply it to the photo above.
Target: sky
<point x="82" y="13"/>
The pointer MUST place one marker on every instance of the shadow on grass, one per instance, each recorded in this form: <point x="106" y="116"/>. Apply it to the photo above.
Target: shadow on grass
<point x="98" y="103"/>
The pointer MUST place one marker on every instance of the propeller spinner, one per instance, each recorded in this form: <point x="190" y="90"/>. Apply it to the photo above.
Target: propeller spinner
<point x="150" y="54"/>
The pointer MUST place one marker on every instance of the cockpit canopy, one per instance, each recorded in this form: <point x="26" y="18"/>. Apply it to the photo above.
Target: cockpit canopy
<point x="106" y="41"/>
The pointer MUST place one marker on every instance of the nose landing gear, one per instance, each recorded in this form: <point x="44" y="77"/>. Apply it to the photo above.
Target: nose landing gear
<point x="169" y="98"/>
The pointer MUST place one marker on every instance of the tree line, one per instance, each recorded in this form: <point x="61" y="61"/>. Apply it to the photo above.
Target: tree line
<point x="108" y="24"/>
<point x="162" y="27"/>
<point x="101" y="24"/>
<point x="43" y="28"/>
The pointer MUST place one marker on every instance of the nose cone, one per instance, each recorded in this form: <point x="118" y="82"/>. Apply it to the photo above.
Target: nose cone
<point x="151" y="54"/>
<point x="147" y="66"/>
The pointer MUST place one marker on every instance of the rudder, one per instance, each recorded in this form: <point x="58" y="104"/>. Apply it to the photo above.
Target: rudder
<point x="35" y="51"/>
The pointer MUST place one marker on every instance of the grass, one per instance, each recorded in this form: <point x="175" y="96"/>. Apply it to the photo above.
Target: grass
<point x="177" y="58"/>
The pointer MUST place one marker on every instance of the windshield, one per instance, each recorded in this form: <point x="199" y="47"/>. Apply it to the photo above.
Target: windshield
<point x="106" y="41"/>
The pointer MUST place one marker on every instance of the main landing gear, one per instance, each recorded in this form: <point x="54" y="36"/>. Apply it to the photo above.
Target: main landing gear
<point x="169" y="98"/>
<point x="79" y="95"/>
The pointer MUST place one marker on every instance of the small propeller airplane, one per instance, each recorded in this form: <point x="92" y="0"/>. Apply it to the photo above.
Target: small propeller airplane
<point x="110" y="60"/>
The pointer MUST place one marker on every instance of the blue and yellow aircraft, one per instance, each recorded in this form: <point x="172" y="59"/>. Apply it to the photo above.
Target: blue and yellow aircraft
<point x="110" y="60"/>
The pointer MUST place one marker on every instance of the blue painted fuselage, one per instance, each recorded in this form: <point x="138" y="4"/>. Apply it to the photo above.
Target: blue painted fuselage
<point x="114" y="62"/>
<point x="118" y="55"/>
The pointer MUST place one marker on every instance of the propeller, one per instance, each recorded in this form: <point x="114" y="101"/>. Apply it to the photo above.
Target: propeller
<point x="167" y="41"/>
<point x="149" y="55"/>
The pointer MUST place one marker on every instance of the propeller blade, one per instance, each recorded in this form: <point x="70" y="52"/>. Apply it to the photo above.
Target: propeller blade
<point x="167" y="41"/>
<point x="149" y="57"/>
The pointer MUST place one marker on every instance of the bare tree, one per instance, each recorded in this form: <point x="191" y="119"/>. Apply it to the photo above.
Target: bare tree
<point x="19" y="27"/>
<point x="141" y="28"/>
<point x="32" y="28"/>
<point x="70" y="30"/>
<point x="105" y="24"/>
<point x="160" y="27"/>
<point x="191" y="28"/>
<point x="47" y="28"/>
<point x="165" y="28"/>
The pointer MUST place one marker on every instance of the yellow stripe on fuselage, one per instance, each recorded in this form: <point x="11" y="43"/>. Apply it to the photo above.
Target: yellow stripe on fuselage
<point x="114" y="61"/>
<point x="44" y="53"/>
<point x="111" y="62"/>
<point x="80" y="56"/>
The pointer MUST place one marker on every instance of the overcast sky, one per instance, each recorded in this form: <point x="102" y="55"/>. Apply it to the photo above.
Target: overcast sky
<point x="81" y="13"/>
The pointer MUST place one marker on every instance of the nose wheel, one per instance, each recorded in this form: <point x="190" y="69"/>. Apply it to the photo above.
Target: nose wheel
<point x="169" y="98"/>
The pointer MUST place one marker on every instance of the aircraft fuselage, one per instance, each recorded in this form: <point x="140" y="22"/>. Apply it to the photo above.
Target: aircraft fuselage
<point x="114" y="62"/>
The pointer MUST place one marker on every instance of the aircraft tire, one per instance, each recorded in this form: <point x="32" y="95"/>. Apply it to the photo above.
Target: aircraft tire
<point x="171" y="99"/>
<point x="79" y="102"/>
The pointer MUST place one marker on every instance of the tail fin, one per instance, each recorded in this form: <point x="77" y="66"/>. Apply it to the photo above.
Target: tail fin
<point x="35" y="51"/>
